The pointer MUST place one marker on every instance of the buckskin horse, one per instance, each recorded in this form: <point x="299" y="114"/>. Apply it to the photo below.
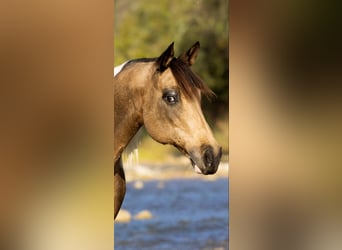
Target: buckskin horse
<point x="164" y="95"/>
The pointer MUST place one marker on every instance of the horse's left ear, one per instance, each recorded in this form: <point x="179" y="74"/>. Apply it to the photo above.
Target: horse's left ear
<point x="166" y="57"/>
<point x="189" y="57"/>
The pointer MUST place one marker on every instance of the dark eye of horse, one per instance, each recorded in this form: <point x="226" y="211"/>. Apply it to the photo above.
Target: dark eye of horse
<point x="170" y="97"/>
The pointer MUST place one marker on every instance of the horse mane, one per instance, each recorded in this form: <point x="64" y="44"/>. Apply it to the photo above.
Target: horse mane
<point x="187" y="80"/>
<point x="140" y="60"/>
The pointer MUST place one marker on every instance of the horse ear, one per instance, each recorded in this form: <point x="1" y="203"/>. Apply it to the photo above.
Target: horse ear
<point x="166" y="57"/>
<point x="189" y="57"/>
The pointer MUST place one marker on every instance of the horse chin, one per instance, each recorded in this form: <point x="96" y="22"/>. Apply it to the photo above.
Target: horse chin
<point x="195" y="167"/>
<point x="193" y="163"/>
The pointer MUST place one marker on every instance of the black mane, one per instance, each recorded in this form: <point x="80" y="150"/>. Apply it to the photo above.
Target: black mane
<point x="187" y="80"/>
<point x="139" y="60"/>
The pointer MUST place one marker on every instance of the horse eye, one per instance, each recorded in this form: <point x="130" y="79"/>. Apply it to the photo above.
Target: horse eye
<point x="170" y="97"/>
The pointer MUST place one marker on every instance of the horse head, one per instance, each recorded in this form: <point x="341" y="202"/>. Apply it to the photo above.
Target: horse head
<point x="171" y="109"/>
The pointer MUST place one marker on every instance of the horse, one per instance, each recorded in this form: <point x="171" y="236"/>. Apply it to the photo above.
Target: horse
<point x="164" y="95"/>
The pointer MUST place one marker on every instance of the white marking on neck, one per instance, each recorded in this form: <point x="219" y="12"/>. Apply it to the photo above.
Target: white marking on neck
<point x="118" y="69"/>
<point x="131" y="153"/>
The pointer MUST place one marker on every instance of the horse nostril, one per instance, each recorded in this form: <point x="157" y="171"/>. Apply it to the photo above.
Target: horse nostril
<point x="209" y="157"/>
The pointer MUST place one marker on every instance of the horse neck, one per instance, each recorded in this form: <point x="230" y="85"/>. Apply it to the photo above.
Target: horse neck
<point x="128" y="88"/>
<point x="125" y="127"/>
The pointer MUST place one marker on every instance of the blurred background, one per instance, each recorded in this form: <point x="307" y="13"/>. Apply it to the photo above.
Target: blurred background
<point x="56" y="185"/>
<point x="285" y="125"/>
<point x="56" y="146"/>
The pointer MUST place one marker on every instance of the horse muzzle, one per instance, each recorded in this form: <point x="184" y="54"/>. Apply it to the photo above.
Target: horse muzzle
<point x="206" y="160"/>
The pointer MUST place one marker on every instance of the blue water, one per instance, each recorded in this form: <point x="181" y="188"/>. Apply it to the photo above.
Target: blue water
<point x="187" y="215"/>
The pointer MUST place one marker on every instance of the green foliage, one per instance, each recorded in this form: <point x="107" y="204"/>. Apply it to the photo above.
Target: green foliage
<point x="146" y="28"/>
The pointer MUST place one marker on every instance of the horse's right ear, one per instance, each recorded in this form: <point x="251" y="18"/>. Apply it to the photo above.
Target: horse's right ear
<point x="189" y="56"/>
<point x="166" y="57"/>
